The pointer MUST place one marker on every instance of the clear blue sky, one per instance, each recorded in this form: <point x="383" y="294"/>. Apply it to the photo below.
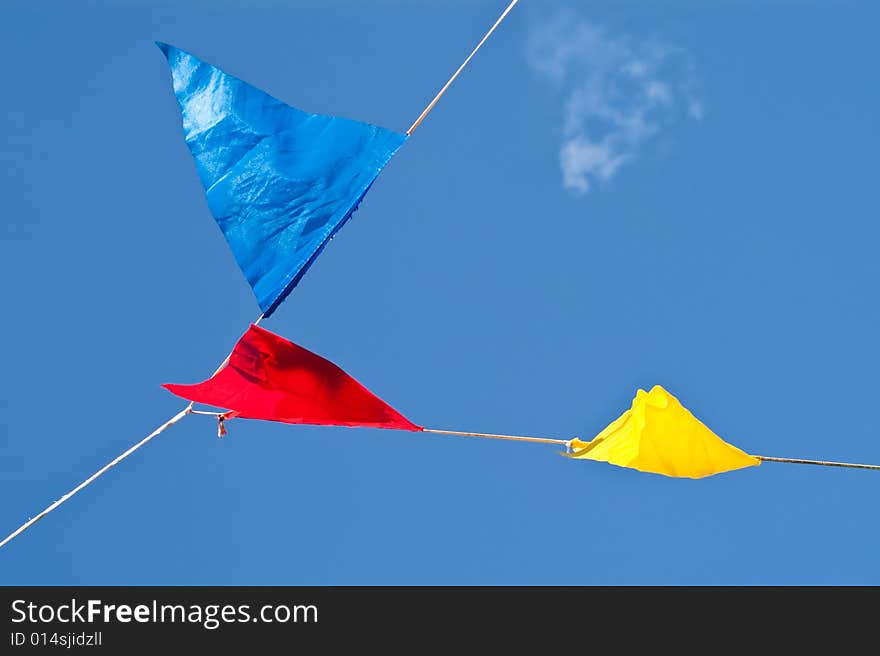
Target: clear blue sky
<point x="718" y="236"/>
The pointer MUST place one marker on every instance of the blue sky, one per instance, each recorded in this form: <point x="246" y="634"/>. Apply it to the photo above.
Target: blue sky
<point x="632" y="194"/>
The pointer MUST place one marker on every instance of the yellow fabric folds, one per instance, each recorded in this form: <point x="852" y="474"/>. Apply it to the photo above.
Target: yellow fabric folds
<point x="659" y="435"/>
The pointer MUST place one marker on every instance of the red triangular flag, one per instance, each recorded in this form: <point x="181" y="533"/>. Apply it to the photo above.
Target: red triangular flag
<point x="271" y="378"/>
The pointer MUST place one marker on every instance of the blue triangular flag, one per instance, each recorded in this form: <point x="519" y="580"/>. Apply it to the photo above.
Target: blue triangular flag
<point x="279" y="181"/>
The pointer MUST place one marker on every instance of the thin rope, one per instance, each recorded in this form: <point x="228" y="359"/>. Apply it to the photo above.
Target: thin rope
<point x="180" y="415"/>
<point x="567" y="444"/>
<point x="188" y="410"/>
<point x="495" y="436"/>
<point x="460" y="69"/>
<point x="824" y="463"/>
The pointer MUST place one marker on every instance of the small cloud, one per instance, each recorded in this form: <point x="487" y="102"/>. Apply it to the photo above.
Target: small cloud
<point x="617" y="93"/>
<point x="582" y="159"/>
<point x="635" y="68"/>
<point x="696" y="110"/>
<point x="658" y="93"/>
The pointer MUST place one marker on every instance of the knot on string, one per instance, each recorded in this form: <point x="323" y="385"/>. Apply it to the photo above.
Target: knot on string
<point x="221" y="427"/>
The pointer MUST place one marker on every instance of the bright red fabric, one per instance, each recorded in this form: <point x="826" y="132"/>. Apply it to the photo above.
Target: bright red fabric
<point x="271" y="378"/>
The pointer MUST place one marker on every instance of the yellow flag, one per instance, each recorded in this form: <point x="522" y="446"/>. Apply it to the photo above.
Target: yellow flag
<point x="659" y="435"/>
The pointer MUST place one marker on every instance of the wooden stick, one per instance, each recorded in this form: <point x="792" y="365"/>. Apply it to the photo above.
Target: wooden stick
<point x="460" y="69"/>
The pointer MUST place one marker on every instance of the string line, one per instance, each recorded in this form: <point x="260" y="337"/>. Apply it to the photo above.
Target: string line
<point x="460" y="69"/>
<point x="567" y="444"/>
<point x="188" y="410"/>
<point x="180" y="415"/>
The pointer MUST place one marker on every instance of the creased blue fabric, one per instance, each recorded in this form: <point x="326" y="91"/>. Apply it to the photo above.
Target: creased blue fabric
<point x="279" y="181"/>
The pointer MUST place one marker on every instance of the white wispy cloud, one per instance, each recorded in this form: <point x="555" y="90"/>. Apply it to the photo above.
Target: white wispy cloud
<point x="617" y="92"/>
